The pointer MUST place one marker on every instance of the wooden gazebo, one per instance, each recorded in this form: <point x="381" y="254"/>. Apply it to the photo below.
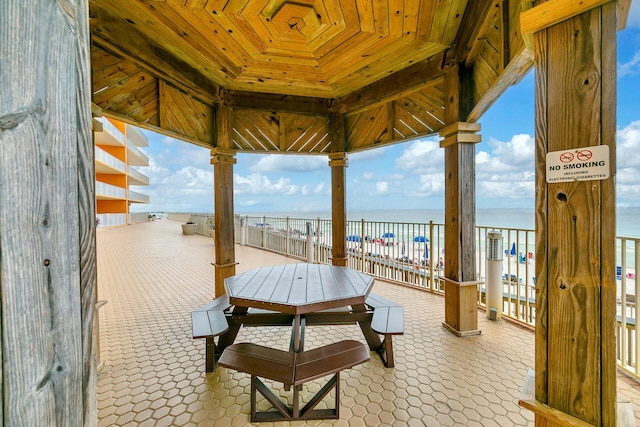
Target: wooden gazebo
<point x="310" y="77"/>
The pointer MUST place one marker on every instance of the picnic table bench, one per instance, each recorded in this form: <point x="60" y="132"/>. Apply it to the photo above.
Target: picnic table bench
<point x="387" y="320"/>
<point x="380" y="316"/>
<point x="294" y="369"/>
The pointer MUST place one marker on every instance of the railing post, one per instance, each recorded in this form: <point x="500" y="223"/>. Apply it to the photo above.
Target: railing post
<point x="264" y="232"/>
<point x="362" y="246"/>
<point x="637" y="293"/>
<point x="288" y="230"/>
<point x="243" y="231"/>
<point x="318" y="245"/>
<point x="309" y="243"/>
<point x="431" y="260"/>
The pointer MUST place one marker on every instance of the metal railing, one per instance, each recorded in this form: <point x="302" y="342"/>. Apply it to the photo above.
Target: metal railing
<point x="412" y="254"/>
<point x="110" y="220"/>
<point x="109" y="160"/>
<point x="137" y="175"/>
<point x="138" y="158"/>
<point x="138" y="197"/>
<point x="108" y="190"/>
<point x="110" y="128"/>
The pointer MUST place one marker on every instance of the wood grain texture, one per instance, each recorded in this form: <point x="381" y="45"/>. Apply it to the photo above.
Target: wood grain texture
<point x="223" y="158"/>
<point x="575" y="104"/>
<point x="382" y="63"/>
<point x="44" y="135"/>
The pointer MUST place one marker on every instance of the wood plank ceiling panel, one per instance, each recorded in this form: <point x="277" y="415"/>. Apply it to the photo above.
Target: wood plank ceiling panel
<point x="143" y="106"/>
<point x="369" y="128"/>
<point x="184" y="115"/>
<point x="305" y="133"/>
<point x="256" y="131"/>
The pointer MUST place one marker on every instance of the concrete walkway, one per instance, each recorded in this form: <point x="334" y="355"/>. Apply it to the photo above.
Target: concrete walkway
<point x="152" y="277"/>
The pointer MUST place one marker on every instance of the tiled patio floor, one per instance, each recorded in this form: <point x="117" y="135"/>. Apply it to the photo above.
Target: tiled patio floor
<point x="152" y="277"/>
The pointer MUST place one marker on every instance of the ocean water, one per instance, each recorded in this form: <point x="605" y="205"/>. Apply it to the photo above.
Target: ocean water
<point x="627" y="219"/>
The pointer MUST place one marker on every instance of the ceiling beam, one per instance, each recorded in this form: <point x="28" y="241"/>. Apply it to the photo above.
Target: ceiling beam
<point x="124" y="41"/>
<point x="473" y="27"/>
<point x="394" y="86"/>
<point x="275" y="102"/>
<point x="553" y="12"/>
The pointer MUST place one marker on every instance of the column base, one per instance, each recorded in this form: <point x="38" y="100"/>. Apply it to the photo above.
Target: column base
<point x="458" y="333"/>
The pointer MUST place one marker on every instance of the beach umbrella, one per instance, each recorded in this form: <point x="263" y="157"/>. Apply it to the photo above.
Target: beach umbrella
<point x="353" y="238"/>
<point x="426" y="251"/>
<point x="420" y="239"/>
<point x="387" y="235"/>
<point x="513" y="248"/>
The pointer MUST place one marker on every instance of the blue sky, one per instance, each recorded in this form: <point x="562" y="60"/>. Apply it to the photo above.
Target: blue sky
<point x="404" y="176"/>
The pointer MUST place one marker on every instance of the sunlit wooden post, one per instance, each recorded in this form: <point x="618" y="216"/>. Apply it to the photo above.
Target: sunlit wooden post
<point x="338" y="163"/>
<point x="223" y="159"/>
<point x="461" y="307"/>
<point x="575" y="59"/>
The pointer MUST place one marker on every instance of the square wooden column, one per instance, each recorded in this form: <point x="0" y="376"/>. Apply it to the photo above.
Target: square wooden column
<point x="461" y="286"/>
<point x="223" y="159"/>
<point x="338" y="163"/>
<point x="575" y="372"/>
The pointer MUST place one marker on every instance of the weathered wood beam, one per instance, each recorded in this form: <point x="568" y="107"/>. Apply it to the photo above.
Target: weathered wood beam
<point x="148" y="55"/>
<point x="393" y="87"/>
<point x="575" y="222"/>
<point x="223" y="159"/>
<point x="47" y="261"/>
<point x="474" y="25"/>
<point x="181" y="137"/>
<point x="515" y="71"/>
<point x="275" y="102"/>
<point x="553" y="12"/>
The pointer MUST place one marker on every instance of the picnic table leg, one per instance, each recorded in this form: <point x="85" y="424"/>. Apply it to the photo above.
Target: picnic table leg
<point x="365" y="325"/>
<point x="211" y="354"/>
<point x="296" y="333"/>
<point x="229" y="337"/>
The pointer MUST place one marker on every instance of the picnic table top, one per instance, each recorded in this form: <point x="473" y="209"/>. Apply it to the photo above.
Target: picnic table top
<point x="298" y="288"/>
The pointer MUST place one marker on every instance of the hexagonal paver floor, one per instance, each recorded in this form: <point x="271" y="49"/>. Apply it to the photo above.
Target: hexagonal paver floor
<point x="152" y="373"/>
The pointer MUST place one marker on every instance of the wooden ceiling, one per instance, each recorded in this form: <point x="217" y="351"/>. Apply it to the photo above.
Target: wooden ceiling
<point x="286" y="67"/>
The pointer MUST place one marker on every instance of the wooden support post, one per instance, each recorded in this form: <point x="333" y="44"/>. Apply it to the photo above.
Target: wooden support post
<point x="461" y="301"/>
<point x="223" y="159"/>
<point x="461" y="309"/>
<point x="47" y="215"/>
<point x="338" y="163"/>
<point x="575" y="222"/>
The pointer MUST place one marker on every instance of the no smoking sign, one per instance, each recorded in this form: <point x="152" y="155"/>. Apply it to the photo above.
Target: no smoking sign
<point x="579" y="164"/>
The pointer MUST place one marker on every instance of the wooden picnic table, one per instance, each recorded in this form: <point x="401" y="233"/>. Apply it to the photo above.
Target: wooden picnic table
<point x="298" y="289"/>
<point x="297" y="295"/>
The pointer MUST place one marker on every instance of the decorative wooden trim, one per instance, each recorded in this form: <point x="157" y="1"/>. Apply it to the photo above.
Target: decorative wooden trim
<point x="460" y="132"/>
<point x="231" y="264"/>
<point x="553" y="12"/>
<point x="462" y="284"/>
<point x="338" y="159"/>
<point x="223" y="155"/>
<point x="528" y="401"/>
<point x="467" y="333"/>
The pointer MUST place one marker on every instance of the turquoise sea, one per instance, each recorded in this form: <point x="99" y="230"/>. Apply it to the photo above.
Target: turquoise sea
<point x="627" y="219"/>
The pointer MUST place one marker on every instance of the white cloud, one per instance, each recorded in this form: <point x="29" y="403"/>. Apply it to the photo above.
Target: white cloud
<point x="318" y="190"/>
<point x="630" y="68"/>
<point x="368" y="176"/>
<point x="421" y="157"/>
<point x="382" y="187"/>
<point x="280" y="163"/>
<point x="628" y="144"/>
<point x="507" y="172"/>
<point x="260" y="184"/>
